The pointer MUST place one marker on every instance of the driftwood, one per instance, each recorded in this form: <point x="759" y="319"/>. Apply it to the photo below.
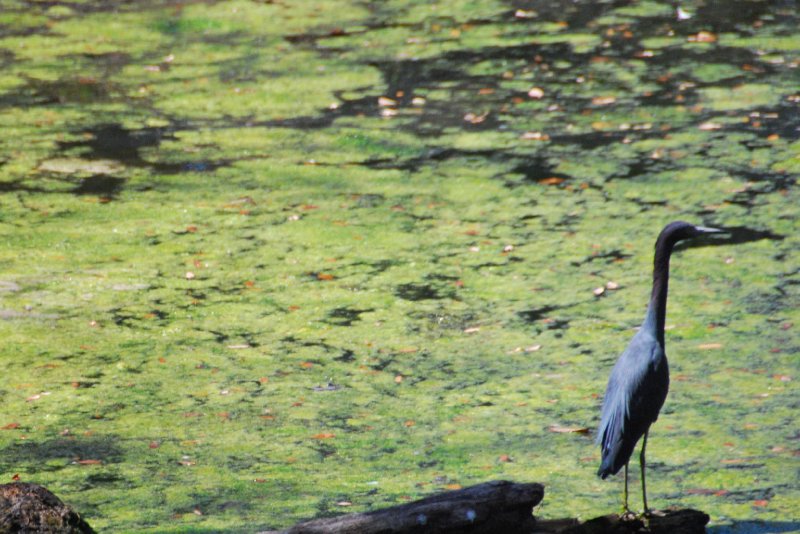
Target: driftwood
<point x="684" y="521"/>
<point x="494" y="507"/>
<point x="32" y="508"/>
<point x="491" y="507"/>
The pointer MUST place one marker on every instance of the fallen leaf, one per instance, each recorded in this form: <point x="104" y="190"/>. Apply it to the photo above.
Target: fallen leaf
<point x="568" y="429"/>
<point x="453" y="486"/>
<point x="504" y="458"/>
<point x="603" y="100"/>
<point x="323" y="435"/>
<point x="409" y="423"/>
<point x="535" y="136"/>
<point x="536" y="93"/>
<point x="709" y="346"/>
<point x="325" y="276"/>
<point x="553" y="180"/>
<point x="761" y="503"/>
<point x="703" y="37"/>
<point x="525" y="14"/>
<point x="89" y="462"/>
<point x="473" y="118"/>
<point x="11" y="426"/>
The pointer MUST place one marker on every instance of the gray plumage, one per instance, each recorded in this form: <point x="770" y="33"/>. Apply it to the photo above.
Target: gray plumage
<point x="639" y="381"/>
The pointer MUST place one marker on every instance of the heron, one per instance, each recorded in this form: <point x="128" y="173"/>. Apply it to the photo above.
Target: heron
<point x="639" y="381"/>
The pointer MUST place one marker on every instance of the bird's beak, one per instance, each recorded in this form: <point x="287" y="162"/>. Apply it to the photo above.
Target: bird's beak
<point x="707" y="230"/>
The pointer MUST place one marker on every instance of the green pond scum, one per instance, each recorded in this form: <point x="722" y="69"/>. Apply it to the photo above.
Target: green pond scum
<point x="264" y="261"/>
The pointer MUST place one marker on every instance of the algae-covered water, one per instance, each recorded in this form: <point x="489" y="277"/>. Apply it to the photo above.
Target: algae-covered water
<point x="262" y="261"/>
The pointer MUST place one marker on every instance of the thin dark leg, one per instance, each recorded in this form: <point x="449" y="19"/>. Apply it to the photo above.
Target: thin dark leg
<point x="642" y="463"/>
<point x="625" y="493"/>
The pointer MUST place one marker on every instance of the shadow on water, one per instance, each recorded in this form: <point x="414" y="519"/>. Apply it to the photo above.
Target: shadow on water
<point x="99" y="184"/>
<point x="112" y="141"/>
<point x="755" y="527"/>
<point x="68" y="449"/>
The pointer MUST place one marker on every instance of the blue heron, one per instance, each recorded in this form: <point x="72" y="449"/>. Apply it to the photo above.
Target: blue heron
<point x="639" y="381"/>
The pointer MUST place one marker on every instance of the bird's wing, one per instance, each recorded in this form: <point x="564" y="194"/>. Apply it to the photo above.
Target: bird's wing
<point x="634" y="395"/>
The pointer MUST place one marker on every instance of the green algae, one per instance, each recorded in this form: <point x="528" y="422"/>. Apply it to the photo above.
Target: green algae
<point x="262" y="259"/>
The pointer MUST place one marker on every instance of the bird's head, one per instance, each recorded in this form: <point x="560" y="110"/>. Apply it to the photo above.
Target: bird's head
<point x="680" y="230"/>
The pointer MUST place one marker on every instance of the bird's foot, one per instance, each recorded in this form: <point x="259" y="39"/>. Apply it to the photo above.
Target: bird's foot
<point x="653" y="513"/>
<point x="627" y="515"/>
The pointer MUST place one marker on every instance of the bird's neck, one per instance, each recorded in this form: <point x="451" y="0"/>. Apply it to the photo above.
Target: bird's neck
<point x="657" y="310"/>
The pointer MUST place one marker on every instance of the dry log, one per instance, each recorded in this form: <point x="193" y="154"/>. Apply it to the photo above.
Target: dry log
<point x="491" y="507"/>
<point x="28" y="507"/>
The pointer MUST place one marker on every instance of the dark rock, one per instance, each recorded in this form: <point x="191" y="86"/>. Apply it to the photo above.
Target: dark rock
<point x="29" y="508"/>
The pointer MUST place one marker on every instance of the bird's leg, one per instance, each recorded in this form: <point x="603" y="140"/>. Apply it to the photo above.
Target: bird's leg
<point x="642" y="463"/>
<point x="625" y="509"/>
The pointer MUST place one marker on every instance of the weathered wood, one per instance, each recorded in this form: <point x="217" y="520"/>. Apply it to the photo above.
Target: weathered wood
<point x="670" y="521"/>
<point x="31" y="508"/>
<point x="491" y="507"/>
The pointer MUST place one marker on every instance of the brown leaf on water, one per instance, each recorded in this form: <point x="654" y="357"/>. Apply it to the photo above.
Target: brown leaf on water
<point x="709" y="346"/>
<point x="323" y="435"/>
<point x="603" y="100"/>
<point x="325" y="276"/>
<point x="11" y="426"/>
<point x="504" y="458"/>
<point x="89" y="462"/>
<point x="553" y="180"/>
<point x="535" y="136"/>
<point x="703" y="37"/>
<point x="761" y="503"/>
<point x="453" y="487"/>
<point x="568" y="429"/>
<point x="474" y="118"/>
<point x="306" y="365"/>
<point x="409" y="423"/>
